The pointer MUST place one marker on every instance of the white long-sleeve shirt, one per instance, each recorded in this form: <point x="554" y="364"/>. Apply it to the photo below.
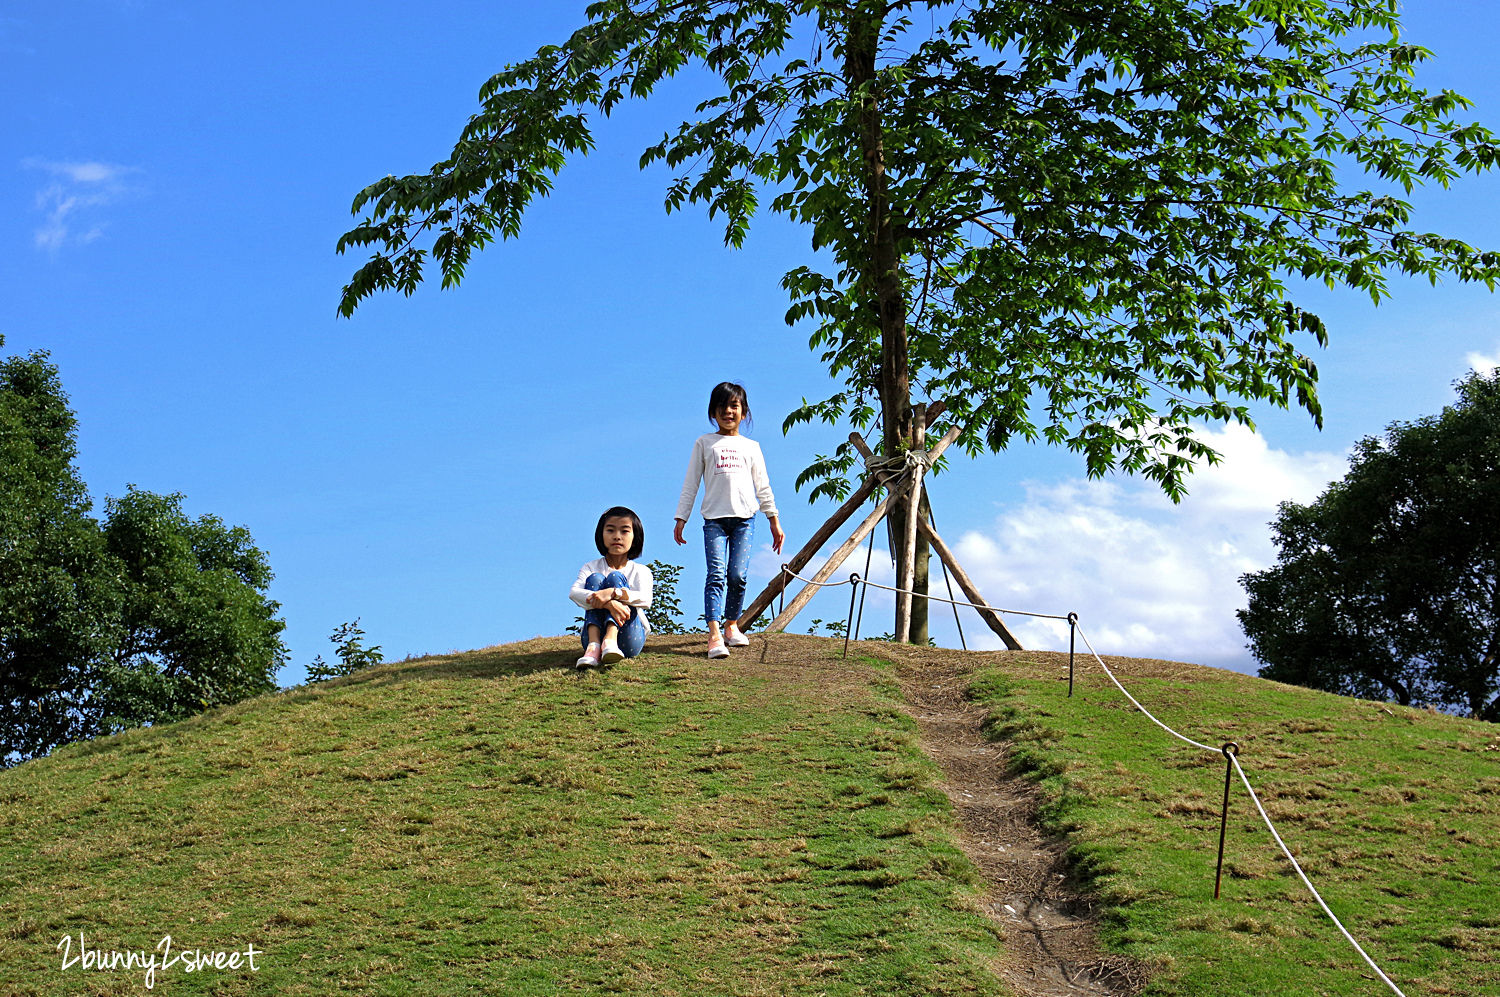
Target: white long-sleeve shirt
<point x="638" y="581"/>
<point x="733" y="473"/>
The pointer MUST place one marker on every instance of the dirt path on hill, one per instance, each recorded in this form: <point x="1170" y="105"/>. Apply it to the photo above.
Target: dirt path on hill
<point x="1049" y="929"/>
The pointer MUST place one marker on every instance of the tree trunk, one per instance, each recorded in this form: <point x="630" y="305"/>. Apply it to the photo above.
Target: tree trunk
<point x="1396" y="687"/>
<point x="884" y="272"/>
<point x="1481" y="707"/>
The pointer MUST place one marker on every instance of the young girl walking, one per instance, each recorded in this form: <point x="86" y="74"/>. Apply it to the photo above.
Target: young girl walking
<point x="614" y="591"/>
<point x="733" y="474"/>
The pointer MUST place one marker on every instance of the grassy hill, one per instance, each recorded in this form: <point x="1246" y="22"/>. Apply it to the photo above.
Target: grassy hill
<point x="1393" y="813"/>
<point x="494" y="822"/>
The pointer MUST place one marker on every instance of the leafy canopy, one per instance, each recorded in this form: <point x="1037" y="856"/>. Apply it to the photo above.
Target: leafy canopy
<point x="195" y="627"/>
<point x="1095" y="206"/>
<point x="145" y="618"/>
<point x="1389" y="584"/>
<point x="57" y="600"/>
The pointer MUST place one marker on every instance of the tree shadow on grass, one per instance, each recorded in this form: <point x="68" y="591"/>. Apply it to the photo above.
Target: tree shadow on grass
<point x="501" y="661"/>
<point x="506" y="661"/>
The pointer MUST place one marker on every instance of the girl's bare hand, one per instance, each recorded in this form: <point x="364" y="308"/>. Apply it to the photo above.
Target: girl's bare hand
<point x="620" y="612"/>
<point x="677" y="532"/>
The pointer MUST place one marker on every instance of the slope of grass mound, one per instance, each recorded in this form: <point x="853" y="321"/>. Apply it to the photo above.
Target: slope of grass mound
<point x="1393" y="813"/>
<point x="494" y="822"/>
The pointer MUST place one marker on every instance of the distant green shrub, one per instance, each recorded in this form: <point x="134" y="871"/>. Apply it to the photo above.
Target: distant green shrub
<point x="665" y="614"/>
<point x="349" y="648"/>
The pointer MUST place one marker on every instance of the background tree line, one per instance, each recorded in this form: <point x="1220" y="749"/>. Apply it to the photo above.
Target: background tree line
<point x="145" y="617"/>
<point x="1388" y="585"/>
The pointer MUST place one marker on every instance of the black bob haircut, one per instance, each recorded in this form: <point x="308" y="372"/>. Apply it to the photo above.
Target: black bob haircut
<point x="719" y="398"/>
<point x="638" y="532"/>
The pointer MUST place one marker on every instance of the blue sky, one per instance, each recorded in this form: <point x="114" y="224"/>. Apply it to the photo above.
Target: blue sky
<point x="176" y="176"/>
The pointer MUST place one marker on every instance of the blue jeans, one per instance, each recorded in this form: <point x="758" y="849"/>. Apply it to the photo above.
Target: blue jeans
<point x="632" y="635"/>
<point x="726" y="545"/>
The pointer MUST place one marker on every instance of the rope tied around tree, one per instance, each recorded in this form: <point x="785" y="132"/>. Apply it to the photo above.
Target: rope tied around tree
<point x="908" y="461"/>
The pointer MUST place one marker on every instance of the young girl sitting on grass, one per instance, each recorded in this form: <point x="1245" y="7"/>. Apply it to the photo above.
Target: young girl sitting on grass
<point x="614" y="591"/>
<point x="735" y="485"/>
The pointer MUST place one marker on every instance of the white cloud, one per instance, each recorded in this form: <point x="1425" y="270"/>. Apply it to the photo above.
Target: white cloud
<point x="1147" y="578"/>
<point x="1484" y="363"/>
<point x="87" y="172"/>
<point x="70" y="203"/>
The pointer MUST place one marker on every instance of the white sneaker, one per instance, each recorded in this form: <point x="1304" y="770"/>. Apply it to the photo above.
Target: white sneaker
<point x="610" y="653"/>
<point x="590" y="658"/>
<point x="734" y="637"/>
<point x="716" y="648"/>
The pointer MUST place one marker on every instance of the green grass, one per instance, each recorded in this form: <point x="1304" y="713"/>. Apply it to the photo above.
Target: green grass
<point x="494" y="823"/>
<point x="1393" y="813"/>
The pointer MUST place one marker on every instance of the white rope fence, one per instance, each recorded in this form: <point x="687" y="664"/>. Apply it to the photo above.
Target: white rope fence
<point x="1232" y="756"/>
<point x="1149" y="715"/>
<point x="1234" y="760"/>
<point x="855" y="579"/>
<point x="957" y="602"/>
<point x="1308" y="883"/>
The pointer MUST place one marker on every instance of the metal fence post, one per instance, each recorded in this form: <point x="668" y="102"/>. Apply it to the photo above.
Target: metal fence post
<point x="1229" y="749"/>
<point x="1072" y="637"/>
<point x="853" y="588"/>
<point x="949" y="583"/>
<point x="865" y="590"/>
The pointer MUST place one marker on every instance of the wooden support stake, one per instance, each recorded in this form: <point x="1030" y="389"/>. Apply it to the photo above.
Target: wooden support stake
<point x="909" y="562"/>
<point x="937" y="449"/>
<point x="826" y="571"/>
<point x="768" y="595"/>
<point x="907" y="606"/>
<point x="799" y="561"/>
<point x="970" y="590"/>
